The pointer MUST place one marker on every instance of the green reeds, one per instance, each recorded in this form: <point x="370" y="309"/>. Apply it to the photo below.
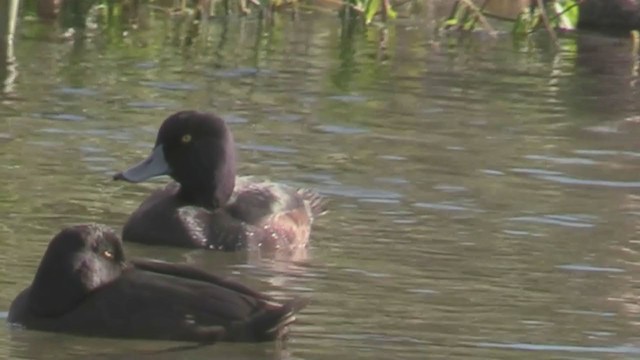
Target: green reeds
<point x="8" y="19"/>
<point x="551" y="15"/>
<point x="368" y="9"/>
<point x="365" y="11"/>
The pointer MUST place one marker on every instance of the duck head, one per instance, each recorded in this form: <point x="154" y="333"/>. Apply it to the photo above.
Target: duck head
<point x="78" y="260"/>
<point x="197" y="150"/>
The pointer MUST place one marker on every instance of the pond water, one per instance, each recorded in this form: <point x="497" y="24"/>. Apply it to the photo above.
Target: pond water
<point x="485" y="194"/>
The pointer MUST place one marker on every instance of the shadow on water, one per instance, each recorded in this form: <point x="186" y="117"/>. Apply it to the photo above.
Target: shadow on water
<point x="36" y="345"/>
<point x="605" y="76"/>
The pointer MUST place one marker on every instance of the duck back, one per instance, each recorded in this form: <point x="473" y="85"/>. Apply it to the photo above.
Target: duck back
<point x="259" y="213"/>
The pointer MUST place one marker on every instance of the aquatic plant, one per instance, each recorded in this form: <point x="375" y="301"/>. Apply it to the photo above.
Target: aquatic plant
<point x="351" y="10"/>
<point x="551" y="15"/>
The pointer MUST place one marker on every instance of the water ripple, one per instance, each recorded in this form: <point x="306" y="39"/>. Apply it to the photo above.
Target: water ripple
<point x="445" y="206"/>
<point x="169" y="85"/>
<point x="148" y="105"/>
<point x="358" y="192"/>
<point x="562" y="160"/>
<point x="590" y="182"/>
<point x="267" y="148"/>
<point x="450" y="188"/>
<point x="576" y="221"/>
<point x="238" y="73"/>
<point x="367" y="273"/>
<point x="589" y="268"/>
<point x="584" y="312"/>
<point x="348" y="98"/>
<point x="606" y="152"/>
<point x="492" y="172"/>
<point x="567" y="348"/>
<point x="392" y="157"/>
<point x="339" y="129"/>
<point x="521" y="233"/>
<point x="391" y="180"/>
<point x="63" y="117"/>
<point x="76" y="91"/>
<point x="234" y="119"/>
<point x="379" y="201"/>
<point x="535" y="171"/>
<point x="422" y="291"/>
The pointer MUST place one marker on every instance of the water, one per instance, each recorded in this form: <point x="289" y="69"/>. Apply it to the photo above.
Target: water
<point x="484" y="194"/>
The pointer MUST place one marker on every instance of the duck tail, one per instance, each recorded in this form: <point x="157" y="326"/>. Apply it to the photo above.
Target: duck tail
<point x="317" y="203"/>
<point x="272" y="324"/>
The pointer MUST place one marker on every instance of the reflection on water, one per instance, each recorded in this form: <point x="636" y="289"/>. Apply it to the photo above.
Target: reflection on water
<point x="36" y="345"/>
<point x="483" y="194"/>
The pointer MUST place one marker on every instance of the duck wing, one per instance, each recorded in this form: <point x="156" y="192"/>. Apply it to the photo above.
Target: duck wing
<point x="161" y="302"/>
<point x="132" y="307"/>
<point x="246" y="314"/>
<point x="185" y="271"/>
<point x="279" y="213"/>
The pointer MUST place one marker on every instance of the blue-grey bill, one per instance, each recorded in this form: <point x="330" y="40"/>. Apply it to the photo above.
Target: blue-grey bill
<point x="154" y="165"/>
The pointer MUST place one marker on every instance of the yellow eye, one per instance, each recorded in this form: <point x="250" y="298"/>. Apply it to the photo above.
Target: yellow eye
<point x="186" y="138"/>
<point x="108" y="254"/>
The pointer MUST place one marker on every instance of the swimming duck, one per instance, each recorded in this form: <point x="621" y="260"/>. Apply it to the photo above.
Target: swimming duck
<point x="84" y="285"/>
<point x="208" y="206"/>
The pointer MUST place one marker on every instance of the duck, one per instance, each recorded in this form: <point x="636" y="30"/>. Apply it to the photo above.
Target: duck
<point x="207" y="205"/>
<point x="84" y="285"/>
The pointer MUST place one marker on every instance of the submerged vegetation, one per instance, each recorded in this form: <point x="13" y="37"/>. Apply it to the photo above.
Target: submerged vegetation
<point x="522" y="17"/>
<point x="527" y="18"/>
<point x="465" y="14"/>
<point x="365" y="11"/>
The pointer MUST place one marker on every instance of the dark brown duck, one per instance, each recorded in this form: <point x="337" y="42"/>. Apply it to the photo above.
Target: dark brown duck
<point x="208" y="206"/>
<point x="85" y="286"/>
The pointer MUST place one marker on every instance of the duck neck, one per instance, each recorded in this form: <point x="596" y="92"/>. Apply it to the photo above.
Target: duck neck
<point x="52" y="294"/>
<point x="213" y="191"/>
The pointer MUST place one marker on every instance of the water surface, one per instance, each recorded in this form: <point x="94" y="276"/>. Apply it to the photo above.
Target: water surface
<point x="485" y="199"/>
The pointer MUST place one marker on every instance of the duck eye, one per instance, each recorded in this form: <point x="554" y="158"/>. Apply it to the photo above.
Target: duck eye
<point x="186" y="138"/>
<point x="108" y="254"/>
